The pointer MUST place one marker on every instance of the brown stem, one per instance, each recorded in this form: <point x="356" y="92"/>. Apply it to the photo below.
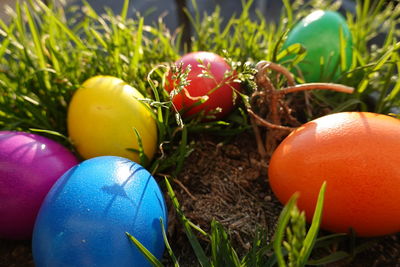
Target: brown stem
<point x="194" y="98"/>
<point x="277" y="107"/>
<point x="264" y="82"/>
<point x="308" y="104"/>
<point x="263" y="65"/>
<point x="313" y="86"/>
<point x="257" y="93"/>
<point x="274" y="116"/>
<point x="268" y="124"/>
<point x="287" y="112"/>
<point x="272" y="97"/>
<point x="260" y="144"/>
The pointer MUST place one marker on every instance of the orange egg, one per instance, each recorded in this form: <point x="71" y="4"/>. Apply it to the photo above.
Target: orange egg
<point x="358" y="154"/>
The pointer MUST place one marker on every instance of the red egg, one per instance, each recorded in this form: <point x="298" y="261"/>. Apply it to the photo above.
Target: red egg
<point x="210" y="80"/>
<point x="29" y="165"/>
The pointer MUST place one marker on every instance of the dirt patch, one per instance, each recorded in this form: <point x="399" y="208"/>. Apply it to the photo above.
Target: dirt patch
<point x="227" y="182"/>
<point x="15" y="253"/>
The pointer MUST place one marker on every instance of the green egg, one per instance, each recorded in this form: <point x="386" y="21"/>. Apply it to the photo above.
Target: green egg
<point x="320" y="34"/>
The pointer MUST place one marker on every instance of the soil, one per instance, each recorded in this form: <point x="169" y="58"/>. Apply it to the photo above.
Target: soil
<point x="227" y="182"/>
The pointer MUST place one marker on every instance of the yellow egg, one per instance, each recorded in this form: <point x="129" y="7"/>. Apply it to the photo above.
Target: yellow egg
<point x="102" y="118"/>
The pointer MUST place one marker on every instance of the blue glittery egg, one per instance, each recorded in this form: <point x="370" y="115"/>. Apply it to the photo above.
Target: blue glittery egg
<point x="84" y="218"/>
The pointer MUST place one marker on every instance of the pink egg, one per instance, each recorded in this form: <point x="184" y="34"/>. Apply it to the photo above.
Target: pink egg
<point x="29" y="165"/>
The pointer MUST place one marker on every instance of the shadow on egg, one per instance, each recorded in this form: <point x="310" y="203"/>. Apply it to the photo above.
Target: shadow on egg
<point x="85" y="216"/>
<point x="29" y="165"/>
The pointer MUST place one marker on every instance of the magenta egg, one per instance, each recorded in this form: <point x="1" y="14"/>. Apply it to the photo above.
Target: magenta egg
<point x="29" y="166"/>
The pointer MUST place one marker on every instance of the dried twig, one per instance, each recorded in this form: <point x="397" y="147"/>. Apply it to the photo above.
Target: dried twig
<point x="315" y="86"/>
<point x="264" y="65"/>
<point x="269" y="95"/>
<point x="185" y="189"/>
<point x="262" y="122"/>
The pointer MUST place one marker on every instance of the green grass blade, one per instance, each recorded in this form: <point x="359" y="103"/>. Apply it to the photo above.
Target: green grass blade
<point x="365" y="82"/>
<point x="395" y="92"/>
<point x="283" y="221"/>
<point x="385" y="87"/>
<point x="20" y="22"/>
<point x="116" y="45"/>
<point x="348" y="104"/>
<point x="334" y="257"/>
<point x="328" y="240"/>
<point x="49" y="132"/>
<point x="38" y="46"/>
<point x="124" y="11"/>
<point x="182" y="149"/>
<point x="259" y="254"/>
<point x="222" y="252"/>
<point x="312" y="233"/>
<point x="292" y="49"/>
<point x="4" y="46"/>
<point x="386" y="56"/>
<point x="62" y="25"/>
<point x="198" y="250"/>
<point x="137" y="53"/>
<point x="366" y="8"/>
<point x="162" y="125"/>
<point x="144" y="160"/>
<point x="99" y="38"/>
<point x="150" y="257"/>
<point x="167" y="245"/>
<point x="89" y="10"/>
<point x="342" y="47"/>
<point x="289" y="11"/>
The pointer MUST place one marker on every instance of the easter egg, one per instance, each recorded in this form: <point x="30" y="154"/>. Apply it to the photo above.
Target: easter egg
<point x="85" y="216"/>
<point x="357" y="154"/>
<point x="320" y="34"/>
<point x="29" y="165"/>
<point x="211" y="87"/>
<point x="103" y="116"/>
